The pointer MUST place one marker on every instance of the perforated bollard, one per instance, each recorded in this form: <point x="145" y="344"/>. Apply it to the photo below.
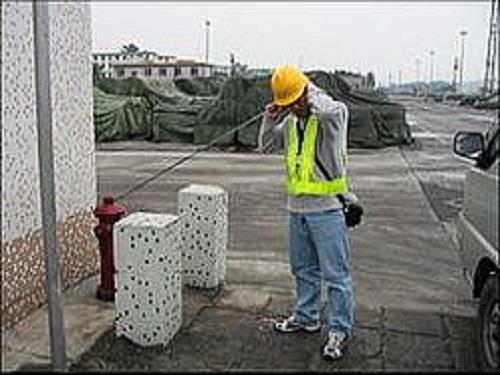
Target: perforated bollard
<point x="108" y="214"/>
<point x="148" y="297"/>
<point x="204" y="232"/>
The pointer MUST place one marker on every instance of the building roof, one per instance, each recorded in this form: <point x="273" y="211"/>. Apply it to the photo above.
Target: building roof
<point x="141" y="53"/>
<point x="107" y="53"/>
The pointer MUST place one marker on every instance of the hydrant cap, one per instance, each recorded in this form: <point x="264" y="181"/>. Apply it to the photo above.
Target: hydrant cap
<point x="109" y="208"/>
<point x="108" y="199"/>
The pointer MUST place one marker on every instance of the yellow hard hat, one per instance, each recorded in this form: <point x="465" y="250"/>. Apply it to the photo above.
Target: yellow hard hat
<point x="287" y="84"/>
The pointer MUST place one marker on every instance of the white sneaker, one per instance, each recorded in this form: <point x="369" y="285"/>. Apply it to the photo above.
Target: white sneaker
<point x="336" y="345"/>
<point x="290" y="325"/>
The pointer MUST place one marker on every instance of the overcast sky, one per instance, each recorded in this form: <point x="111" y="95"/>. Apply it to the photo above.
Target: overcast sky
<point x="373" y="36"/>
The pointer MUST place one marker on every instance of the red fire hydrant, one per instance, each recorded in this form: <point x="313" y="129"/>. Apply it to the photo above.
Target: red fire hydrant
<point x="108" y="214"/>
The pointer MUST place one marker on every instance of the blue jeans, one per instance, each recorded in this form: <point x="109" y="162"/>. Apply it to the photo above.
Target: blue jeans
<point x="320" y="252"/>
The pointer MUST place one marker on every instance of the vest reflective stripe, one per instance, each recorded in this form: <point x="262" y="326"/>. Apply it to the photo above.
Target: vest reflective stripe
<point x="300" y="167"/>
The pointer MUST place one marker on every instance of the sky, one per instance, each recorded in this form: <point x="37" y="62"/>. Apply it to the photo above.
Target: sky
<point x="386" y="38"/>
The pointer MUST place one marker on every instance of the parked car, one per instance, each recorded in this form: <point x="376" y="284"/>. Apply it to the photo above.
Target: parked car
<point x="477" y="235"/>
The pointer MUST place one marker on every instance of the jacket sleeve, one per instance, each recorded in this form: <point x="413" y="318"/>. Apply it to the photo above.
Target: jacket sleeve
<point x="276" y="127"/>
<point x="334" y="114"/>
<point x="332" y="148"/>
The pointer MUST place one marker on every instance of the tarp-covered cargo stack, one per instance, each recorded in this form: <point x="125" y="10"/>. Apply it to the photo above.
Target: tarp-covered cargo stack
<point x="201" y="86"/>
<point x="188" y="110"/>
<point x="170" y="114"/>
<point x="240" y="99"/>
<point x="119" y="117"/>
<point x="374" y="121"/>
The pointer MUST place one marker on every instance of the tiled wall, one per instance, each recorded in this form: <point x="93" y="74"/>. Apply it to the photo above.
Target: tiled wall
<point x="23" y="279"/>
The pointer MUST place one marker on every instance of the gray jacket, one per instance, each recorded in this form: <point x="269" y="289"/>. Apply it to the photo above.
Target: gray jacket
<point x="330" y="146"/>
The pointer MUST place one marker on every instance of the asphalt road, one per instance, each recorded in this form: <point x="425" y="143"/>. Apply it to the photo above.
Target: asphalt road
<point x="413" y="306"/>
<point x="440" y="172"/>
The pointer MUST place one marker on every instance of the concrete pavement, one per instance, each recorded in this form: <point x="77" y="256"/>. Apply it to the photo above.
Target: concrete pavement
<point x="413" y="309"/>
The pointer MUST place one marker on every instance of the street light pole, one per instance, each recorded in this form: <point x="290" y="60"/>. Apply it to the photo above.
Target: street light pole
<point x="418" y="75"/>
<point x="207" y="24"/>
<point x="462" y="34"/>
<point x="431" y="74"/>
<point x="455" y="69"/>
<point x="47" y="185"/>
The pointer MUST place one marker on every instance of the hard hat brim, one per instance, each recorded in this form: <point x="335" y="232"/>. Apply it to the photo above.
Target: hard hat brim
<point x="291" y="99"/>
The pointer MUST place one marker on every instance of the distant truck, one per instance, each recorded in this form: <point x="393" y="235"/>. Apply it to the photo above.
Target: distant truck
<point x="477" y="235"/>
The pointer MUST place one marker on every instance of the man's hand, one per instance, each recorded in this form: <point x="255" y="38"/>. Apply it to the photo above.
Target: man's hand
<point x="274" y="111"/>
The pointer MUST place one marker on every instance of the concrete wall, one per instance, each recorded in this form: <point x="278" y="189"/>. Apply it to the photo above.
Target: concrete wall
<point x="23" y="278"/>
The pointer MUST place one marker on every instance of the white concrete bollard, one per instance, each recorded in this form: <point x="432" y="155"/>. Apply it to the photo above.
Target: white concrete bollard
<point x="148" y="263"/>
<point x="204" y="234"/>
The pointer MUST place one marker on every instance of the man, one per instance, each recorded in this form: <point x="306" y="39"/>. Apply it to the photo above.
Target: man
<point x="312" y="129"/>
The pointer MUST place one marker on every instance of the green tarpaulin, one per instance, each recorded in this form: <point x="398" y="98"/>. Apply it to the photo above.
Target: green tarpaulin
<point x="168" y="113"/>
<point x="374" y="121"/>
<point x="118" y="117"/>
<point x="182" y="110"/>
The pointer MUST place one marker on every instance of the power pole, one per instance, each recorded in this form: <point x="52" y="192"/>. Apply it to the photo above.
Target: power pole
<point x="207" y="33"/>
<point x="47" y="185"/>
<point x="496" y="53"/>
<point x="431" y="73"/>
<point x="418" y="75"/>
<point x="462" y="52"/>
<point x="455" y="71"/>
<point x="490" y="57"/>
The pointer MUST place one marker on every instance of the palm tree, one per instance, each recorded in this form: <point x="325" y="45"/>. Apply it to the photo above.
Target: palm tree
<point x="97" y="71"/>
<point x="130" y="49"/>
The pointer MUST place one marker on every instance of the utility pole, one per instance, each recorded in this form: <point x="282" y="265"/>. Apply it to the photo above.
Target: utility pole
<point x="496" y="53"/>
<point x="418" y="69"/>
<point x="494" y="59"/>
<point x="418" y="75"/>
<point x="462" y="52"/>
<point x="47" y="185"/>
<point x="431" y="73"/>
<point x="399" y="77"/>
<point x="490" y="55"/>
<point x="455" y="70"/>
<point x="207" y="36"/>
<point x="232" y="64"/>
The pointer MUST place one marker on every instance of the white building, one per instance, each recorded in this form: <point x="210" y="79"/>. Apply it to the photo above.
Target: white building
<point x="151" y="64"/>
<point x="105" y="60"/>
<point x="164" y="69"/>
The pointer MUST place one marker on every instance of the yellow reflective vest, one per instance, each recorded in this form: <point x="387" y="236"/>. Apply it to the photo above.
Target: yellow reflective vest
<point x="300" y="164"/>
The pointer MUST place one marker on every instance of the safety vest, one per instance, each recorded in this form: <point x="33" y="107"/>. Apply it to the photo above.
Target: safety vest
<point x="300" y="166"/>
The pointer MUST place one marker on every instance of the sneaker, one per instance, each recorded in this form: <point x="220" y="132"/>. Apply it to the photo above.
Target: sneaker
<point x="336" y="345"/>
<point x="290" y="325"/>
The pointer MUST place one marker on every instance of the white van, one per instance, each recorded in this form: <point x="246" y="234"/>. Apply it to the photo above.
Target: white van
<point x="477" y="235"/>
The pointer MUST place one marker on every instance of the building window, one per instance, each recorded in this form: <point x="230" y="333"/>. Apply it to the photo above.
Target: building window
<point x="177" y="71"/>
<point x="194" y="71"/>
<point x="163" y="71"/>
<point x="134" y="73"/>
<point x="147" y="71"/>
<point x="120" y="72"/>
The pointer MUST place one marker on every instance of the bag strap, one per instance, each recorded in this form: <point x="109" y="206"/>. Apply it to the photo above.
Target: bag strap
<point x="341" y="199"/>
